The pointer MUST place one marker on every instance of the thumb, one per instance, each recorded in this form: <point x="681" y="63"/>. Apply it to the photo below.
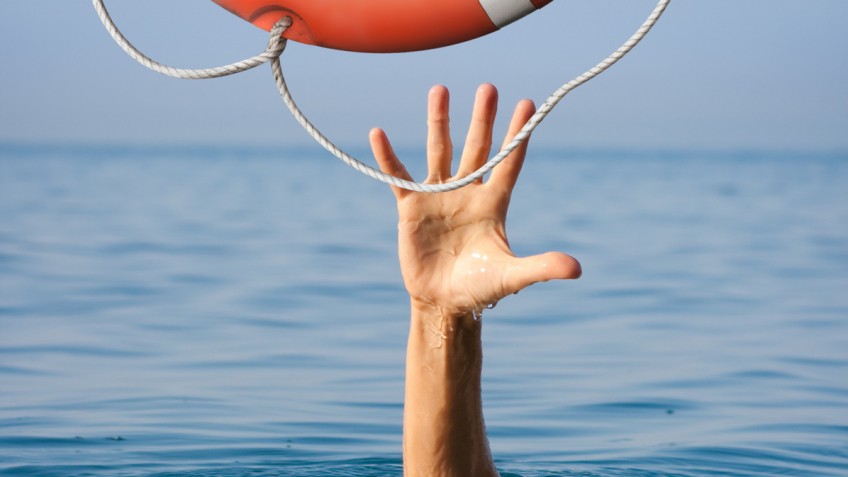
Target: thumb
<point x="541" y="268"/>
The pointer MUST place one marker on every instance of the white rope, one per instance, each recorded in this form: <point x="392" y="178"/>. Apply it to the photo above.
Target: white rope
<point x="275" y="48"/>
<point x="276" y="44"/>
<point x="520" y="137"/>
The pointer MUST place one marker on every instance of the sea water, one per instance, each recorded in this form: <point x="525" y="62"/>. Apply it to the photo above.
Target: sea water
<point x="186" y="311"/>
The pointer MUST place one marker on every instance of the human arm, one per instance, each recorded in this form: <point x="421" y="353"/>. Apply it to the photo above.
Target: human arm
<point x="455" y="260"/>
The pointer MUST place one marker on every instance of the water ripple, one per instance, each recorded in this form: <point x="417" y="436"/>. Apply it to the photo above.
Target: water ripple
<point x="206" y="312"/>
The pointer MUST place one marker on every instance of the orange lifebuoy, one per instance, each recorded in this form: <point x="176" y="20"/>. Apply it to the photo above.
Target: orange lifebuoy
<point x="383" y="26"/>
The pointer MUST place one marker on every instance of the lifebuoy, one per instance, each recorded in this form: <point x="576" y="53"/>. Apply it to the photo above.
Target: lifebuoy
<point x="383" y="26"/>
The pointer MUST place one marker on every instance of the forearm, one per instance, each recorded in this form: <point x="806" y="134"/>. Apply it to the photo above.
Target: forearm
<point x="444" y="432"/>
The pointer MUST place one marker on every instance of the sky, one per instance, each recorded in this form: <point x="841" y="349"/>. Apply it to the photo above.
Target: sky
<point x="716" y="74"/>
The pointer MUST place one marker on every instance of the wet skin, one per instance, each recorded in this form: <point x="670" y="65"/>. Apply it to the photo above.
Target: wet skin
<point x="456" y="260"/>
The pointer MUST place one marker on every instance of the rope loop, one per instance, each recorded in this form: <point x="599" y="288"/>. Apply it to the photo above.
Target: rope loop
<point x="276" y="45"/>
<point x="520" y="137"/>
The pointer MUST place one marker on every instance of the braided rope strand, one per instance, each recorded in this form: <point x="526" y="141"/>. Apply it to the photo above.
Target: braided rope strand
<point x="276" y="45"/>
<point x="520" y="137"/>
<point x="275" y="48"/>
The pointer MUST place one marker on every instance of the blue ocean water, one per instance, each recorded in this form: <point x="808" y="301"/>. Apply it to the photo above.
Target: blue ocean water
<point x="239" y="312"/>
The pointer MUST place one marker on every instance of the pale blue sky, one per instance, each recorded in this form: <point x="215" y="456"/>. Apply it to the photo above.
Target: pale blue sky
<point x="718" y="74"/>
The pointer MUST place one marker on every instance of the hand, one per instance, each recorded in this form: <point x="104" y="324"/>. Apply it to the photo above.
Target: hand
<point x="454" y="253"/>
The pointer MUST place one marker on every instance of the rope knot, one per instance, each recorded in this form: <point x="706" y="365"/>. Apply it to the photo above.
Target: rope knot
<point x="276" y="42"/>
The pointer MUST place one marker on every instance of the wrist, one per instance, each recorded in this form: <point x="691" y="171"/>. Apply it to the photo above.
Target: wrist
<point x="450" y="316"/>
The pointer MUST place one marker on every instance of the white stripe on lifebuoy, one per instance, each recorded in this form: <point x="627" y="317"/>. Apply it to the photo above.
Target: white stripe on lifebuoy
<point x="504" y="12"/>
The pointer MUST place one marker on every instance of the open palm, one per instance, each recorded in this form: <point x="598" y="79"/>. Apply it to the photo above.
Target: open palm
<point x="453" y="248"/>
